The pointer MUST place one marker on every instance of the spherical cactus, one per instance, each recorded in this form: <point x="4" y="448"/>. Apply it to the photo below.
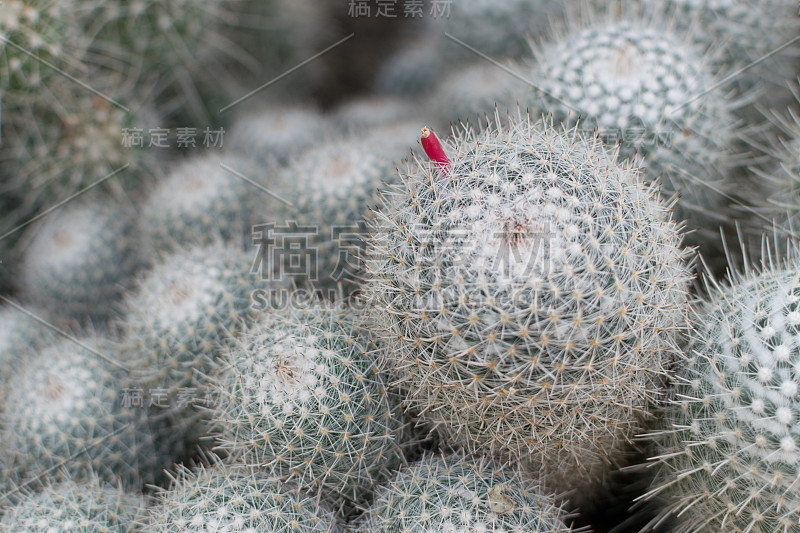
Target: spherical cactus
<point x="328" y="192"/>
<point x="644" y="88"/>
<point x="274" y="133"/>
<point x="528" y="293"/>
<point x="472" y="93"/>
<point x="301" y="396"/>
<point x="372" y="112"/>
<point x="411" y="68"/>
<point x="235" y="498"/>
<point x="180" y="314"/>
<point x="72" y="506"/>
<point x="22" y="335"/>
<point x="81" y="260"/>
<point x="452" y="494"/>
<point x="727" y="457"/>
<point x="203" y="199"/>
<point x="66" y="413"/>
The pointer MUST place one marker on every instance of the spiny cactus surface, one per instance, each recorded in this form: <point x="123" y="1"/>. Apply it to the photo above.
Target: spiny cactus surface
<point x="235" y="498"/>
<point x="454" y="494"/>
<point x="21" y="337"/>
<point x="727" y="457"/>
<point x="301" y="396"/>
<point x="529" y="296"/>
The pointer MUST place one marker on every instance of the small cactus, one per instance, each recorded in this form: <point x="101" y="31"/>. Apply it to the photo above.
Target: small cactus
<point x="21" y="337"/>
<point x="234" y="498"/>
<point x="81" y="260"/>
<point x="74" y="506"/>
<point x="301" y="396"/>
<point x="453" y="494"/>
<point x="65" y="409"/>
<point x="528" y="292"/>
<point x="727" y="455"/>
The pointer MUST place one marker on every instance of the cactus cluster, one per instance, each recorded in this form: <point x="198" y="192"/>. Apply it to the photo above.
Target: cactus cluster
<point x="727" y="459"/>
<point x="235" y="498"/>
<point x="74" y="506"/>
<point x="455" y="493"/>
<point x="302" y="396"/>
<point x="65" y="414"/>
<point x="529" y="296"/>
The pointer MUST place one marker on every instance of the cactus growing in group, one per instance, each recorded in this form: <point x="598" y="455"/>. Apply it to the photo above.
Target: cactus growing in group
<point x="81" y="260"/>
<point x="302" y="396"/>
<point x="234" y="498"/>
<point x="454" y="493"/>
<point x="529" y="293"/>
<point x="66" y="414"/>
<point x="727" y="455"/>
<point x="180" y="314"/>
<point x="203" y="199"/>
<point x="74" y="506"/>
<point x="644" y="87"/>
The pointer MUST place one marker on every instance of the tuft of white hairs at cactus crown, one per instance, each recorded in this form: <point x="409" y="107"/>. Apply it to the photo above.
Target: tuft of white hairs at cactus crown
<point x="75" y="506"/>
<point x="224" y="497"/>
<point x="65" y="414"/>
<point x="530" y="296"/>
<point x="81" y="260"/>
<point x="727" y="451"/>
<point x="643" y="85"/>
<point x="457" y="493"/>
<point x="296" y="389"/>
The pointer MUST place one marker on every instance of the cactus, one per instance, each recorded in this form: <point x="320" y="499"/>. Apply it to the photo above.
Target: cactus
<point x="21" y="337"/>
<point x="181" y="313"/>
<point x="372" y="112"/>
<point x="529" y="294"/>
<point x="455" y="493"/>
<point x="643" y="86"/>
<point x="409" y="70"/>
<point x="234" y="498"/>
<point x="278" y="134"/>
<point x="73" y="506"/>
<point x="331" y="189"/>
<point x="301" y="396"/>
<point x="81" y="260"/>
<point x="203" y="199"/>
<point x="727" y="456"/>
<point x="66" y="410"/>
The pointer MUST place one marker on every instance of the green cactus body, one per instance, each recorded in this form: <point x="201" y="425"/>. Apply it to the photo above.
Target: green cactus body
<point x="182" y="311"/>
<point x="301" y="396"/>
<point x="332" y="188"/>
<point x="81" y="260"/>
<point x="87" y="506"/>
<point x="66" y="413"/>
<point x="727" y="458"/>
<point x="203" y="199"/>
<point x="453" y="494"/>
<point x="644" y="88"/>
<point x="21" y="337"/>
<point x="277" y="134"/>
<point x="529" y="297"/>
<point x="234" y="498"/>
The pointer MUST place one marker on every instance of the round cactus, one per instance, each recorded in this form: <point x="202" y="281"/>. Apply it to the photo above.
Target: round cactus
<point x="328" y="193"/>
<point x="409" y="71"/>
<point x="643" y="87"/>
<point x="180" y="314"/>
<point x="21" y="337"/>
<point x="235" y="498"/>
<point x="452" y="494"/>
<point x="528" y="293"/>
<point x="277" y="134"/>
<point x="300" y="395"/>
<point x="372" y="112"/>
<point x="202" y="200"/>
<point x="727" y="458"/>
<point x="66" y="414"/>
<point x="72" y="506"/>
<point x="81" y="260"/>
